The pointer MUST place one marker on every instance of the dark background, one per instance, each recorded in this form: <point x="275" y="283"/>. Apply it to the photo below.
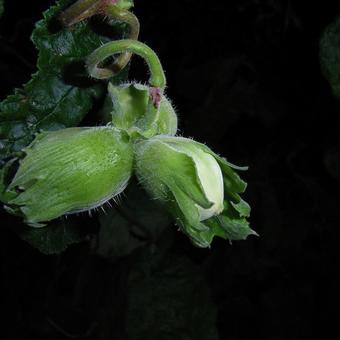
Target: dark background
<point x="245" y="79"/>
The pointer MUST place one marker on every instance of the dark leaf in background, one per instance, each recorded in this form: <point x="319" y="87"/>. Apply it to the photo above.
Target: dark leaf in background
<point x="58" y="236"/>
<point x="168" y="299"/>
<point x="1" y="7"/>
<point x="134" y="221"/>
<point x="332" y="161"/>
<point x="330" y="55"/>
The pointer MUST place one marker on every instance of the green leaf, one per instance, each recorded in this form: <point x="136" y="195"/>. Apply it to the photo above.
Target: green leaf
<point x="5" y="175"/>
<point x="242" y="208"/>
<point x="233" y="229"/>
<point x="60" y="93"/>
<point x="168" y="298"/>
<point x="201" y="238"/>
<point x="330" y="55"/>
<point x="231" y="225"/>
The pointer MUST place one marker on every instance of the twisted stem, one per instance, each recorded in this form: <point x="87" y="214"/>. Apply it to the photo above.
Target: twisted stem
<point x="84" y="9"/>
<point x="80" y="11"/>
<point x="157" y="77"/>
<point x="124" y="16"/>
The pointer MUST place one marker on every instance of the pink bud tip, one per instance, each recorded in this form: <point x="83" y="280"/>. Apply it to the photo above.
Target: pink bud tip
<point x="156" y="96"/>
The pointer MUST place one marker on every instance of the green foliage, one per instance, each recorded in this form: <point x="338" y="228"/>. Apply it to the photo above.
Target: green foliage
<point x="330" y="55"/>
<point x="59" y="94"/>
<point x="61" y="174"/>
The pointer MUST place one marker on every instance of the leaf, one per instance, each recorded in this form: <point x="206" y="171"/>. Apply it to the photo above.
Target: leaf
<point x="242" y="208"/>
<point x="235" y="229"/>
<point x="133" y="222"/>
<point x="232" y="229"/>
<point x="115" y="238"/>
<point x="330" y="55"/>
<point x="168" y="299"/>
<point x="5" y="174"/>
<point x="60" y="93"/>
<point x="231" y="225"/>
<point x="58" y="236"/>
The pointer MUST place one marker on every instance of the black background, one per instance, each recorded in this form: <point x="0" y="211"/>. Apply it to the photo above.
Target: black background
<point x="245" y="79"/>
